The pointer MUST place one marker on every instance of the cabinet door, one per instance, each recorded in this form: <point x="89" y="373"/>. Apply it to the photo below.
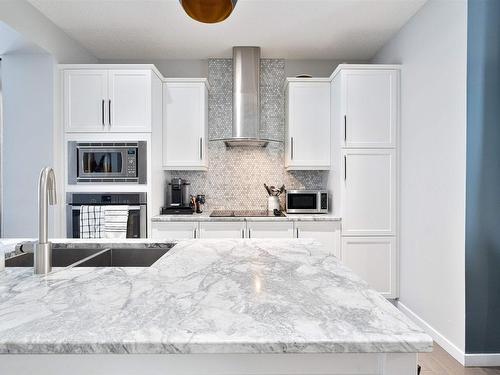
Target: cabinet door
<point x="174" y="230"/>
<point x="85" y="100"/>
<point x="371" y="108"/>
<point x="129" y="104"/>
<point x="266" y="229"/>
<point x="185" y="126"/>
<point x="325" y="232"/>
<point x="308" y="143"/>
<point x="369" y="192"/>
<point x="374" y="260"/>
<point x="222" y="229"/>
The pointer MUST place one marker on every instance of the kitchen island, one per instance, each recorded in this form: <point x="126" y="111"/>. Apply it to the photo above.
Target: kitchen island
<point x="206" y="307"/>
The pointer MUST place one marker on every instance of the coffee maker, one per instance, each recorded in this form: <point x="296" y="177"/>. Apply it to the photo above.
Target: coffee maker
<point x="177" y="197"/>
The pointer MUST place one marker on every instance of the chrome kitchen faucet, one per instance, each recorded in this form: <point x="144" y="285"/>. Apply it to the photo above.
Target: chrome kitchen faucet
<point x="46" y="196"/>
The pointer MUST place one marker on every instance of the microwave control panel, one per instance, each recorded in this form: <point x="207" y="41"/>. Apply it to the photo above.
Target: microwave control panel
<point x="131" y="162"/>
<point x="324" y="201"/>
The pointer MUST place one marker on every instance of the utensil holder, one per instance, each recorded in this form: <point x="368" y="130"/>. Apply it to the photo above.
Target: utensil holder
<point x="273" y="203"/>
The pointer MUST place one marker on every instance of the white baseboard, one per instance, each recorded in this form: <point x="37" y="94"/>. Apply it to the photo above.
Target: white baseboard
<point x="482" y="360"/>
<point x="446" y="344"/>
<point x="467" y="360"/>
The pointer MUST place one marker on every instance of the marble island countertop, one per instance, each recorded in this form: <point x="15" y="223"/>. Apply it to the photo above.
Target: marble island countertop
<point x="205" y="216"/>
<point x="205" y="296"/>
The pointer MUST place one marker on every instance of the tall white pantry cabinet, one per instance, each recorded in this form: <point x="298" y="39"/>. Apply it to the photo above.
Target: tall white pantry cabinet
<point x="364" y="174"/>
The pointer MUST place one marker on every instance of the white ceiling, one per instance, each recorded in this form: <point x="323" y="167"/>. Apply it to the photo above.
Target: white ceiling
<point x="293" y="29"/>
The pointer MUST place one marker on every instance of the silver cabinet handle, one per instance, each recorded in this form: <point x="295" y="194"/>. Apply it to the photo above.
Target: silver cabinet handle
<point x="249" y="233"/>
<point x="297" y="233"/>
<point x="201" y="148"/>
<point x="102" y="112"/>
<point x="195" y="234"/>
<point x="291" y="148"/>
<point x="345" y="167"/>
<point x="345" y="128"/>
<point x="242" y="233"/>
<point x="109" y="111"/>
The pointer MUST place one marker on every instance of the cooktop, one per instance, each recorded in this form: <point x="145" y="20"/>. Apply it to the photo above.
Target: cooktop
<point x="243" y="213"/>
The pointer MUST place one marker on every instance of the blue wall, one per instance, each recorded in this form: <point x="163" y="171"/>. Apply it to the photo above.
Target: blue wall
<point x="483" y="178"/>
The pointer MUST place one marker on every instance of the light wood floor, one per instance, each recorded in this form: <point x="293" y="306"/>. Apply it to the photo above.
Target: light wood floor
<point x="439" y="362"/>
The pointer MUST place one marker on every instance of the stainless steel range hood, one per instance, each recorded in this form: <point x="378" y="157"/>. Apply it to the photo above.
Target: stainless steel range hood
<point x="246" y="98"/>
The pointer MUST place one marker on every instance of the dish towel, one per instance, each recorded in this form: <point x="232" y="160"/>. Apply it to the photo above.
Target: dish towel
<point x="115" y="221"/>
<point x="91" y="221"/>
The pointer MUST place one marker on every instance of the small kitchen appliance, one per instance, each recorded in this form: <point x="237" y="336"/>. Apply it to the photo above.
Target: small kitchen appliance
<point x="107" y="162"/>
<point x="307" y="202"/>
<point x="137" y="214"/>
<point x="178" y="198"/>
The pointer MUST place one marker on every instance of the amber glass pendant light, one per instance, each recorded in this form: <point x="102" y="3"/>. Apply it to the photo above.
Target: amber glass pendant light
<point x="208" y="11"/>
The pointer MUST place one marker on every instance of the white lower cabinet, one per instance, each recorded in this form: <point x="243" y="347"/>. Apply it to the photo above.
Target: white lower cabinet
<point x="175" y="230"/>
<point x="374" y="259"/>
<point x="222" y="229"/>
<point x="325" y="232"/>
<point x="266" y="229"/>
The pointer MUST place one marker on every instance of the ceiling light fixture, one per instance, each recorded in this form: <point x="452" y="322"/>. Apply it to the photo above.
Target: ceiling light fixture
<point x="208" y="11"/>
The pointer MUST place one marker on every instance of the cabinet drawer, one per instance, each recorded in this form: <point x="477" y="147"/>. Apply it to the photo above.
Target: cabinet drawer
<point x="222" y="229"/>
<point x="265" y="229"/>
<point x="174" y="230"/>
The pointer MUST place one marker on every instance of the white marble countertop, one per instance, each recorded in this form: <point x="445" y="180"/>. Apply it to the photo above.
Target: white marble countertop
<point x="205" y="296"/>
<point x="205" y="216"/>
<point x="8" y="245"/>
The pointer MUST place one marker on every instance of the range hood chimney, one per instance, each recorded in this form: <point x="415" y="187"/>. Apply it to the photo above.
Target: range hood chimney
<point x="246" y="98"/>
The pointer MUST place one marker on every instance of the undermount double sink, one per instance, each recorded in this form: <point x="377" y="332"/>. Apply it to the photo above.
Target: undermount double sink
<point x="103" y="257"/>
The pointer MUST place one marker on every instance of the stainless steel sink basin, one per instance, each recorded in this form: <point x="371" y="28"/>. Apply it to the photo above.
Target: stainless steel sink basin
<point x="103" y="257"/>
<point x="125" y="258"/>
<point x="60" y="257"/>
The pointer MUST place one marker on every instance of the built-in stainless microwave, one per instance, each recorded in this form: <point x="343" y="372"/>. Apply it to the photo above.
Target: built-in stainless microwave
<point x="107" y="162"/>
<point x="307" y="201"/>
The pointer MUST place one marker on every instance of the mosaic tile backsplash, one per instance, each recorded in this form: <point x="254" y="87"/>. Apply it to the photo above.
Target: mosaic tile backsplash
<point x="236" y="176"/>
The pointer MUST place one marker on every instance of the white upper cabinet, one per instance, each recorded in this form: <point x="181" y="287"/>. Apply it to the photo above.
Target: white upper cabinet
<point x="369" y="192"/>
<point x="85" y="100"/>
<point x="185" y="125"/>
<point x="369" y="108"/>
<point x="108" y="100"/>
<point x="129" y="103"/>
<point x="307" y="143"/>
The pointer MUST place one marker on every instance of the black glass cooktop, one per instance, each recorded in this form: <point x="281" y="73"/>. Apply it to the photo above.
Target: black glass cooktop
<point x="243" y="213"/>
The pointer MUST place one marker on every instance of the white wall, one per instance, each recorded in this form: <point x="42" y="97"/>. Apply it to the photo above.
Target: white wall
<point x="28" y="100"/>
<point x="432" y="49"/>
<point x="13" y="42"/>
<point x="39" y="30"/>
